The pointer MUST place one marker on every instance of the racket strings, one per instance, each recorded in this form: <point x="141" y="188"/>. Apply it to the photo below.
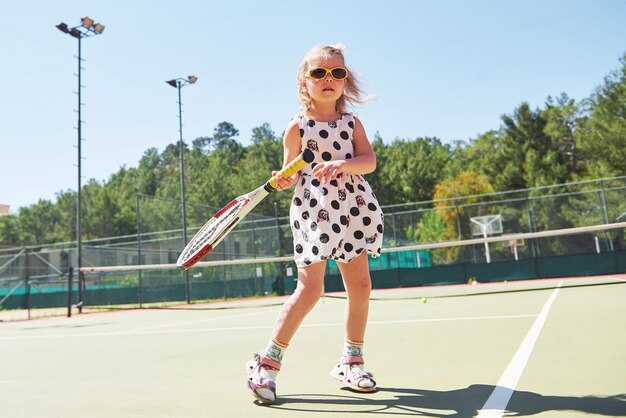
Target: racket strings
<point x="212" y="229"/>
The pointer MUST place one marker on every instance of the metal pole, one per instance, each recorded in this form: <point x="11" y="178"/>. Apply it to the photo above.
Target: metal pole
<point x="79" y="249"/>
<point x="605" y="213"/>
<point x="182" y="185"/>
<point x="70" y="276"/>
<point x="138" y="217"/>
<point x="28" y="302"/>
<point x="487" y="253"/>
<point x="458" y="219"/>
<point x="280" y="280"/>
<point x="87" y="28"/>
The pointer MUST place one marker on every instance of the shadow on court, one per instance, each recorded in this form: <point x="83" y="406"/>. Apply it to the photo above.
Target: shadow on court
<point x="454" y="403"/>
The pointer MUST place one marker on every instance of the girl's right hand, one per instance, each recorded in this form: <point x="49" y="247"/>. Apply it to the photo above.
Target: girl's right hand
<point x="328" y="171"/>
<point x="283" y="183"/>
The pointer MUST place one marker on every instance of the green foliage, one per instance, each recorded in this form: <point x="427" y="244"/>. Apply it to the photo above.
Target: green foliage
<point x="430" y="228"/>
<point x="564" y="141"/>
<point x="603" y="134"/>
<point x="410" y="170"/>
<point x="9" y="228"/>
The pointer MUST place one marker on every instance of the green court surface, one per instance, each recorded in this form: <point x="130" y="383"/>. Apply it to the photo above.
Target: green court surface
<point x="546" y="353"/>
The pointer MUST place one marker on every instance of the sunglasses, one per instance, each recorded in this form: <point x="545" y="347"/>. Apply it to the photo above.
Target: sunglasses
<point x="338" y="73"/>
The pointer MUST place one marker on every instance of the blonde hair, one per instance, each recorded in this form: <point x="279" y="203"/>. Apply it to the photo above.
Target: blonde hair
<point x="353" y="93"/>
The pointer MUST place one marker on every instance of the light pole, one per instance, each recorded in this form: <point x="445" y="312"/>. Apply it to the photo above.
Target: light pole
<point x="179" y="83"/>
<point x="86" y="29"/>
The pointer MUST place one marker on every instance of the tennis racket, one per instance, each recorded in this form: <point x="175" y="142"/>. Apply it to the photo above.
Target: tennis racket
<point x="214" y="231"/>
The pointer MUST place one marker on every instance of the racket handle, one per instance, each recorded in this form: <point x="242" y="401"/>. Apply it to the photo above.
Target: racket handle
<point x="292" y="168"/>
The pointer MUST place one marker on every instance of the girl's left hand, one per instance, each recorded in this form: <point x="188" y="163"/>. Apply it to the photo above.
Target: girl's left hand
<point x="328" y="171"/>
<point x="283" y="183"/>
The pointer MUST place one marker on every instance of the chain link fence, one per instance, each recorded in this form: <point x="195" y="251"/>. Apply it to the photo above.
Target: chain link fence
<point x="38" y="276"/>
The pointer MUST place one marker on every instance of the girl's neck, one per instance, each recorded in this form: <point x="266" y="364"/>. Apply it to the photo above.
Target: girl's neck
<point x="324" y="112"/>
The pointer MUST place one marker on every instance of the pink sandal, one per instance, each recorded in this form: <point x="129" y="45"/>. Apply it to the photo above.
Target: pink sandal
<point x="262" y="378"/>
<point x="350" y="371"/>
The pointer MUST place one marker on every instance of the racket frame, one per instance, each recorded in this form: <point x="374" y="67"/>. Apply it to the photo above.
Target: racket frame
<point x="199" y="246"/>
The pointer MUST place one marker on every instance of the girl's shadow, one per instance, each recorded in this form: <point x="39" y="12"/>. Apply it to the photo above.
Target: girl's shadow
<point x="453" y="403"/>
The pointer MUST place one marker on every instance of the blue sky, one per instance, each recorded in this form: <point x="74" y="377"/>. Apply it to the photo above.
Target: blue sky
<point x="440" y="68"/>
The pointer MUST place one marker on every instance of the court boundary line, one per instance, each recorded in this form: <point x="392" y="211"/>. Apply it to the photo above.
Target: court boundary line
<point x="144" y="331"/>
<point x="496" y="404"/>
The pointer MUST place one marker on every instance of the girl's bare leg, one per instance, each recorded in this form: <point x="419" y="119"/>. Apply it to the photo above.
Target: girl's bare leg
<point x="300" y="303"/>
<point x="356" y="279"/>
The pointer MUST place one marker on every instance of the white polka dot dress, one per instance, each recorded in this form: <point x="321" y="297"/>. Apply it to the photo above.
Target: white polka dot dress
<point x="342" y="218"/>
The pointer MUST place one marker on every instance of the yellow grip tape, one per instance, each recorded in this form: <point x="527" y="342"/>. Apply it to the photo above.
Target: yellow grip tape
<point x="293" y="167"/>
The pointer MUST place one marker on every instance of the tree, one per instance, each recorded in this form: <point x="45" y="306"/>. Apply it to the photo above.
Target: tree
<point x="148" y="175"/>
<point x="467" y="183"/>
<point x="36" y="221"/>
<point x="376" y="179"/>
<point x="603" y="135"/>
<point x="430" y="228"/>
<point x="566" y="140"/>
<point x="562" y="116"/>
<point x="482" y="155"/>
<point x="411" y="169"/>
<point x="223" y="139"/>
<point x="10" y="229"/>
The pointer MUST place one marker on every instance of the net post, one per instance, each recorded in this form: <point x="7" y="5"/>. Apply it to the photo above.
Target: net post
<point x="458" y="219"/>
<point x="281" y="267"/>
<point x="70" y="277"/>
<point x="487" y="253"/>
<point x="138" y="216"/>
<point x="28" y="303"/>
<point x="81" y="284"/>
<point x="605" y="213"/>
<point x="26" y="278"/>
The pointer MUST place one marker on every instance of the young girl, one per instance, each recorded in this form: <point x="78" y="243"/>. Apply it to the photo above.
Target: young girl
<point x="334" y="215"/>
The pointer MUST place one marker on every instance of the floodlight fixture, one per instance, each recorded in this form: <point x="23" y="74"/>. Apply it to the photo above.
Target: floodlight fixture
<point x="63" y="27"/>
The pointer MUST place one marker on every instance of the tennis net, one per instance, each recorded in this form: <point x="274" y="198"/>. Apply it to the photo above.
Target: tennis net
<point x="588" y="255"/>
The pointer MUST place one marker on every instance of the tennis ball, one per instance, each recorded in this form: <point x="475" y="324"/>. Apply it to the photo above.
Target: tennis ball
<point x="424" y="300"/>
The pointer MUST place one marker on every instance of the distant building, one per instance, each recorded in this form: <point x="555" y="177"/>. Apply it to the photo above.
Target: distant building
<point x="4" y="210"/>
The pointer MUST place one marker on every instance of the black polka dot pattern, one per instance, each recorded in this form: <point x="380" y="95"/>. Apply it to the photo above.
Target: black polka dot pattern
<point x="339" y="219"/>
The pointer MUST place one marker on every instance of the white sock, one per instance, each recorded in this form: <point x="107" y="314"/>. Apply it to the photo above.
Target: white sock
<point x="275" y="351"/>
<point x="352" y="348"/>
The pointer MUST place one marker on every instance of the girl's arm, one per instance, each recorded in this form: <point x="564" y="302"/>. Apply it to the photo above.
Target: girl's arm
<point x="364" y="159"/>
<point x="362" y="162"/>
<point x="291" y="149"/>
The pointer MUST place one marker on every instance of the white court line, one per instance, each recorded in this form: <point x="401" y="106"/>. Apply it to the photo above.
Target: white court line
<point x="175" y="324"/>
<point x="204" y="330"/>
<point x="499" y="399"/>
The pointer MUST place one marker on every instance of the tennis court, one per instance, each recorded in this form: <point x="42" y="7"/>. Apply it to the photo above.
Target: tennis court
<point x="556" y="351"/>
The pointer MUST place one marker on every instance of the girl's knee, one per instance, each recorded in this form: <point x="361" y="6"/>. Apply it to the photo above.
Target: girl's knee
<point x="308" y="294"/>
<point x="361" y="286"/>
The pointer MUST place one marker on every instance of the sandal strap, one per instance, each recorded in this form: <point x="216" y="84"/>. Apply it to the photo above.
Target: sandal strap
<point x="269" y="362"/>
<point x="356" y="375"/>
<point x="352" y="360"/>
<point x="361" y="374"/>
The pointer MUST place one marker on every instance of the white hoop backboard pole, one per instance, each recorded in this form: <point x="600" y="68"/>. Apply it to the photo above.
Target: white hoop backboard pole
<point x="487" y="253"/>
<point x="485" y="223"/>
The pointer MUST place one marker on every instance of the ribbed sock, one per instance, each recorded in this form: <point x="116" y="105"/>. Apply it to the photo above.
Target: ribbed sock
<point x="352" y="348"/>
<point x="275" y="350"/>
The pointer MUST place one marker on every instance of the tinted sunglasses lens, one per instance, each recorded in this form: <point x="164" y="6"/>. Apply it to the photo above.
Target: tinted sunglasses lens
<point x="318" y="73"/>
<point x="339" y="73"/>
